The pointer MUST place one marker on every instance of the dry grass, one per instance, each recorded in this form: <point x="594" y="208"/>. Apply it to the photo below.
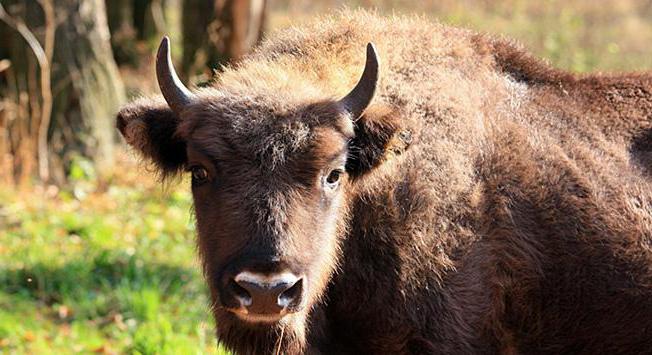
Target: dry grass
<point x="580" y="35"/>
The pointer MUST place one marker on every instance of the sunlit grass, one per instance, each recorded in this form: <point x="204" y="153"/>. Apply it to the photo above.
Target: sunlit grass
<point x="578" y="35"/>
<point x="109" y="271"/>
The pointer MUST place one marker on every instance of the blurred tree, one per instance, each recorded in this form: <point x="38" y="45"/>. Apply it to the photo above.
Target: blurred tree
<point x="85" y="89"/>
<point x="120" y="15"/>
<point x="132" y="22"/>
<point x="215" y="32"/>
<point x="26" y="106"/>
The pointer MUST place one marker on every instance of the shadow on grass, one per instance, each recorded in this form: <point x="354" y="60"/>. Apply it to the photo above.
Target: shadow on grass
<point x="106" y="282"/>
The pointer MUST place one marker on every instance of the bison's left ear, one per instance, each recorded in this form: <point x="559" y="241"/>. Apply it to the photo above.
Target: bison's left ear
<point x="379" y="136"/>
<point x="149" y="126"/>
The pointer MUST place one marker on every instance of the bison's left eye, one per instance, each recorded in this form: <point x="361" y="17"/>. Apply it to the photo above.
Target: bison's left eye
<point x="199" y="174"/>
<point x="333" y="178"/>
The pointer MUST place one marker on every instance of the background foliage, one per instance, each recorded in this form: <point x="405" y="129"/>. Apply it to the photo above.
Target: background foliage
<point x="107" y="264"/>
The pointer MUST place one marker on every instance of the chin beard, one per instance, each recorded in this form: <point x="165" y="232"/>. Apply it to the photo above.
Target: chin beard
<point x="287" y="336"/>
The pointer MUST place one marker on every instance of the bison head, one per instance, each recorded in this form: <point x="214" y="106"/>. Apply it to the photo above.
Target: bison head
<point x="271" y="183"/>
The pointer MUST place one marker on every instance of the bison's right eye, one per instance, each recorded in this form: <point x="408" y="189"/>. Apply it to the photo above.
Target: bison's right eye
<point x="333" y="179"/>
<point x="199" y="174"/>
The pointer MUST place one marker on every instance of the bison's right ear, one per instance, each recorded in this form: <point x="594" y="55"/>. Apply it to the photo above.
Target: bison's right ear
<point x="379" y="136"/>
<point x="376" y="127"/>
<point x="149" y="126"/>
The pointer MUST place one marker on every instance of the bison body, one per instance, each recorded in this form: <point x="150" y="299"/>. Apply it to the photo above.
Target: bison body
<point x="482" y="203"/>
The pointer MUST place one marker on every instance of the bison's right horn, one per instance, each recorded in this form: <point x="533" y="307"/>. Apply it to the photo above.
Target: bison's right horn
<point x="359" y="98"/>
<point x="173" y="90"/>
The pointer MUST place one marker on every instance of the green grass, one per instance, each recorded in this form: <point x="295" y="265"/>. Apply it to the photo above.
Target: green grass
<point x="110" y="271"/>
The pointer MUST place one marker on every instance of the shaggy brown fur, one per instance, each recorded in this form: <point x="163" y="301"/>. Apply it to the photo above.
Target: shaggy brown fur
<point x="492" y="204"/>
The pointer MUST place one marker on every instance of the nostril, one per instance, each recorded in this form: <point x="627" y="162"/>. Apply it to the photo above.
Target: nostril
<point x="276" y="293"/>
<point x="240" y="293"/>
<point x="292" y="296"/>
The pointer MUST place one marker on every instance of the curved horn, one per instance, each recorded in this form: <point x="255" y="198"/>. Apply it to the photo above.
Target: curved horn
<point x="359" y="98"/>
<point x="173" y="90"/>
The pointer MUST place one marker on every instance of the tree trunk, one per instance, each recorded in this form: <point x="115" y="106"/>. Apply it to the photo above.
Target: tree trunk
<point x="85" y="87"/>
<point x="219" y="31"/>
<point x="120" y="16"/>
<point x="133" y="23"/>
<point x="89" y="87"/>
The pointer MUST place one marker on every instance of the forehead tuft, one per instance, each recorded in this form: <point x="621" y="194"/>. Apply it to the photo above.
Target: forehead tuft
<point x="263" y="130"/>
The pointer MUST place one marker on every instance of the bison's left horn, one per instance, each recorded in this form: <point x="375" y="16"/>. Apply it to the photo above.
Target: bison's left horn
<point x="360" y="97"/>
<point x="173" y="90"/>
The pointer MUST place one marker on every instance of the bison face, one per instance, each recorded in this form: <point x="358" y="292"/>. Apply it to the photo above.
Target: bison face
<point x="271" y="185"/>
<point x="269" y="211"/>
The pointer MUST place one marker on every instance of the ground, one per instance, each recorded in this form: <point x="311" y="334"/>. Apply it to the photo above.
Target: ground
<point x="102" y="269"/>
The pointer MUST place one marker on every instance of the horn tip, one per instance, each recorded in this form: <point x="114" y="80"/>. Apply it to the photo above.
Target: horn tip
<point x="372" y="54"/>
<point x="164" y="47"/>
<point x="165" y="41"/>
<point x="371" y="49"/>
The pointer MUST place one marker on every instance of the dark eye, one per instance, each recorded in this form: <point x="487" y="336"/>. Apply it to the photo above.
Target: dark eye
<point x="199" y="174"/>
<point x="333" y="178"/>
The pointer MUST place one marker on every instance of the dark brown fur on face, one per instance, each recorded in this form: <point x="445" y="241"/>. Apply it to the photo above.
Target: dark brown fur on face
<point x="491" y="203"/>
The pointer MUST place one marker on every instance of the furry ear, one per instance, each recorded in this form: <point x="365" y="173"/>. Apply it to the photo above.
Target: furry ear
<point x="379" y="134"/>
<point x="149" y="126"/>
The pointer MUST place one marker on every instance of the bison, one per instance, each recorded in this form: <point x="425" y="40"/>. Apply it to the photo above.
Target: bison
<point x="442" y="192"/>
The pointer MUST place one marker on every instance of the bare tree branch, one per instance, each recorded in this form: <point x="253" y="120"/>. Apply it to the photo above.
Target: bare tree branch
<point x="44" y="57"/>
<point x="46" y="92"/>
<point x="156" y="8"/>
<point x="4" y="64"/>
<point x="22" y="29"/>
